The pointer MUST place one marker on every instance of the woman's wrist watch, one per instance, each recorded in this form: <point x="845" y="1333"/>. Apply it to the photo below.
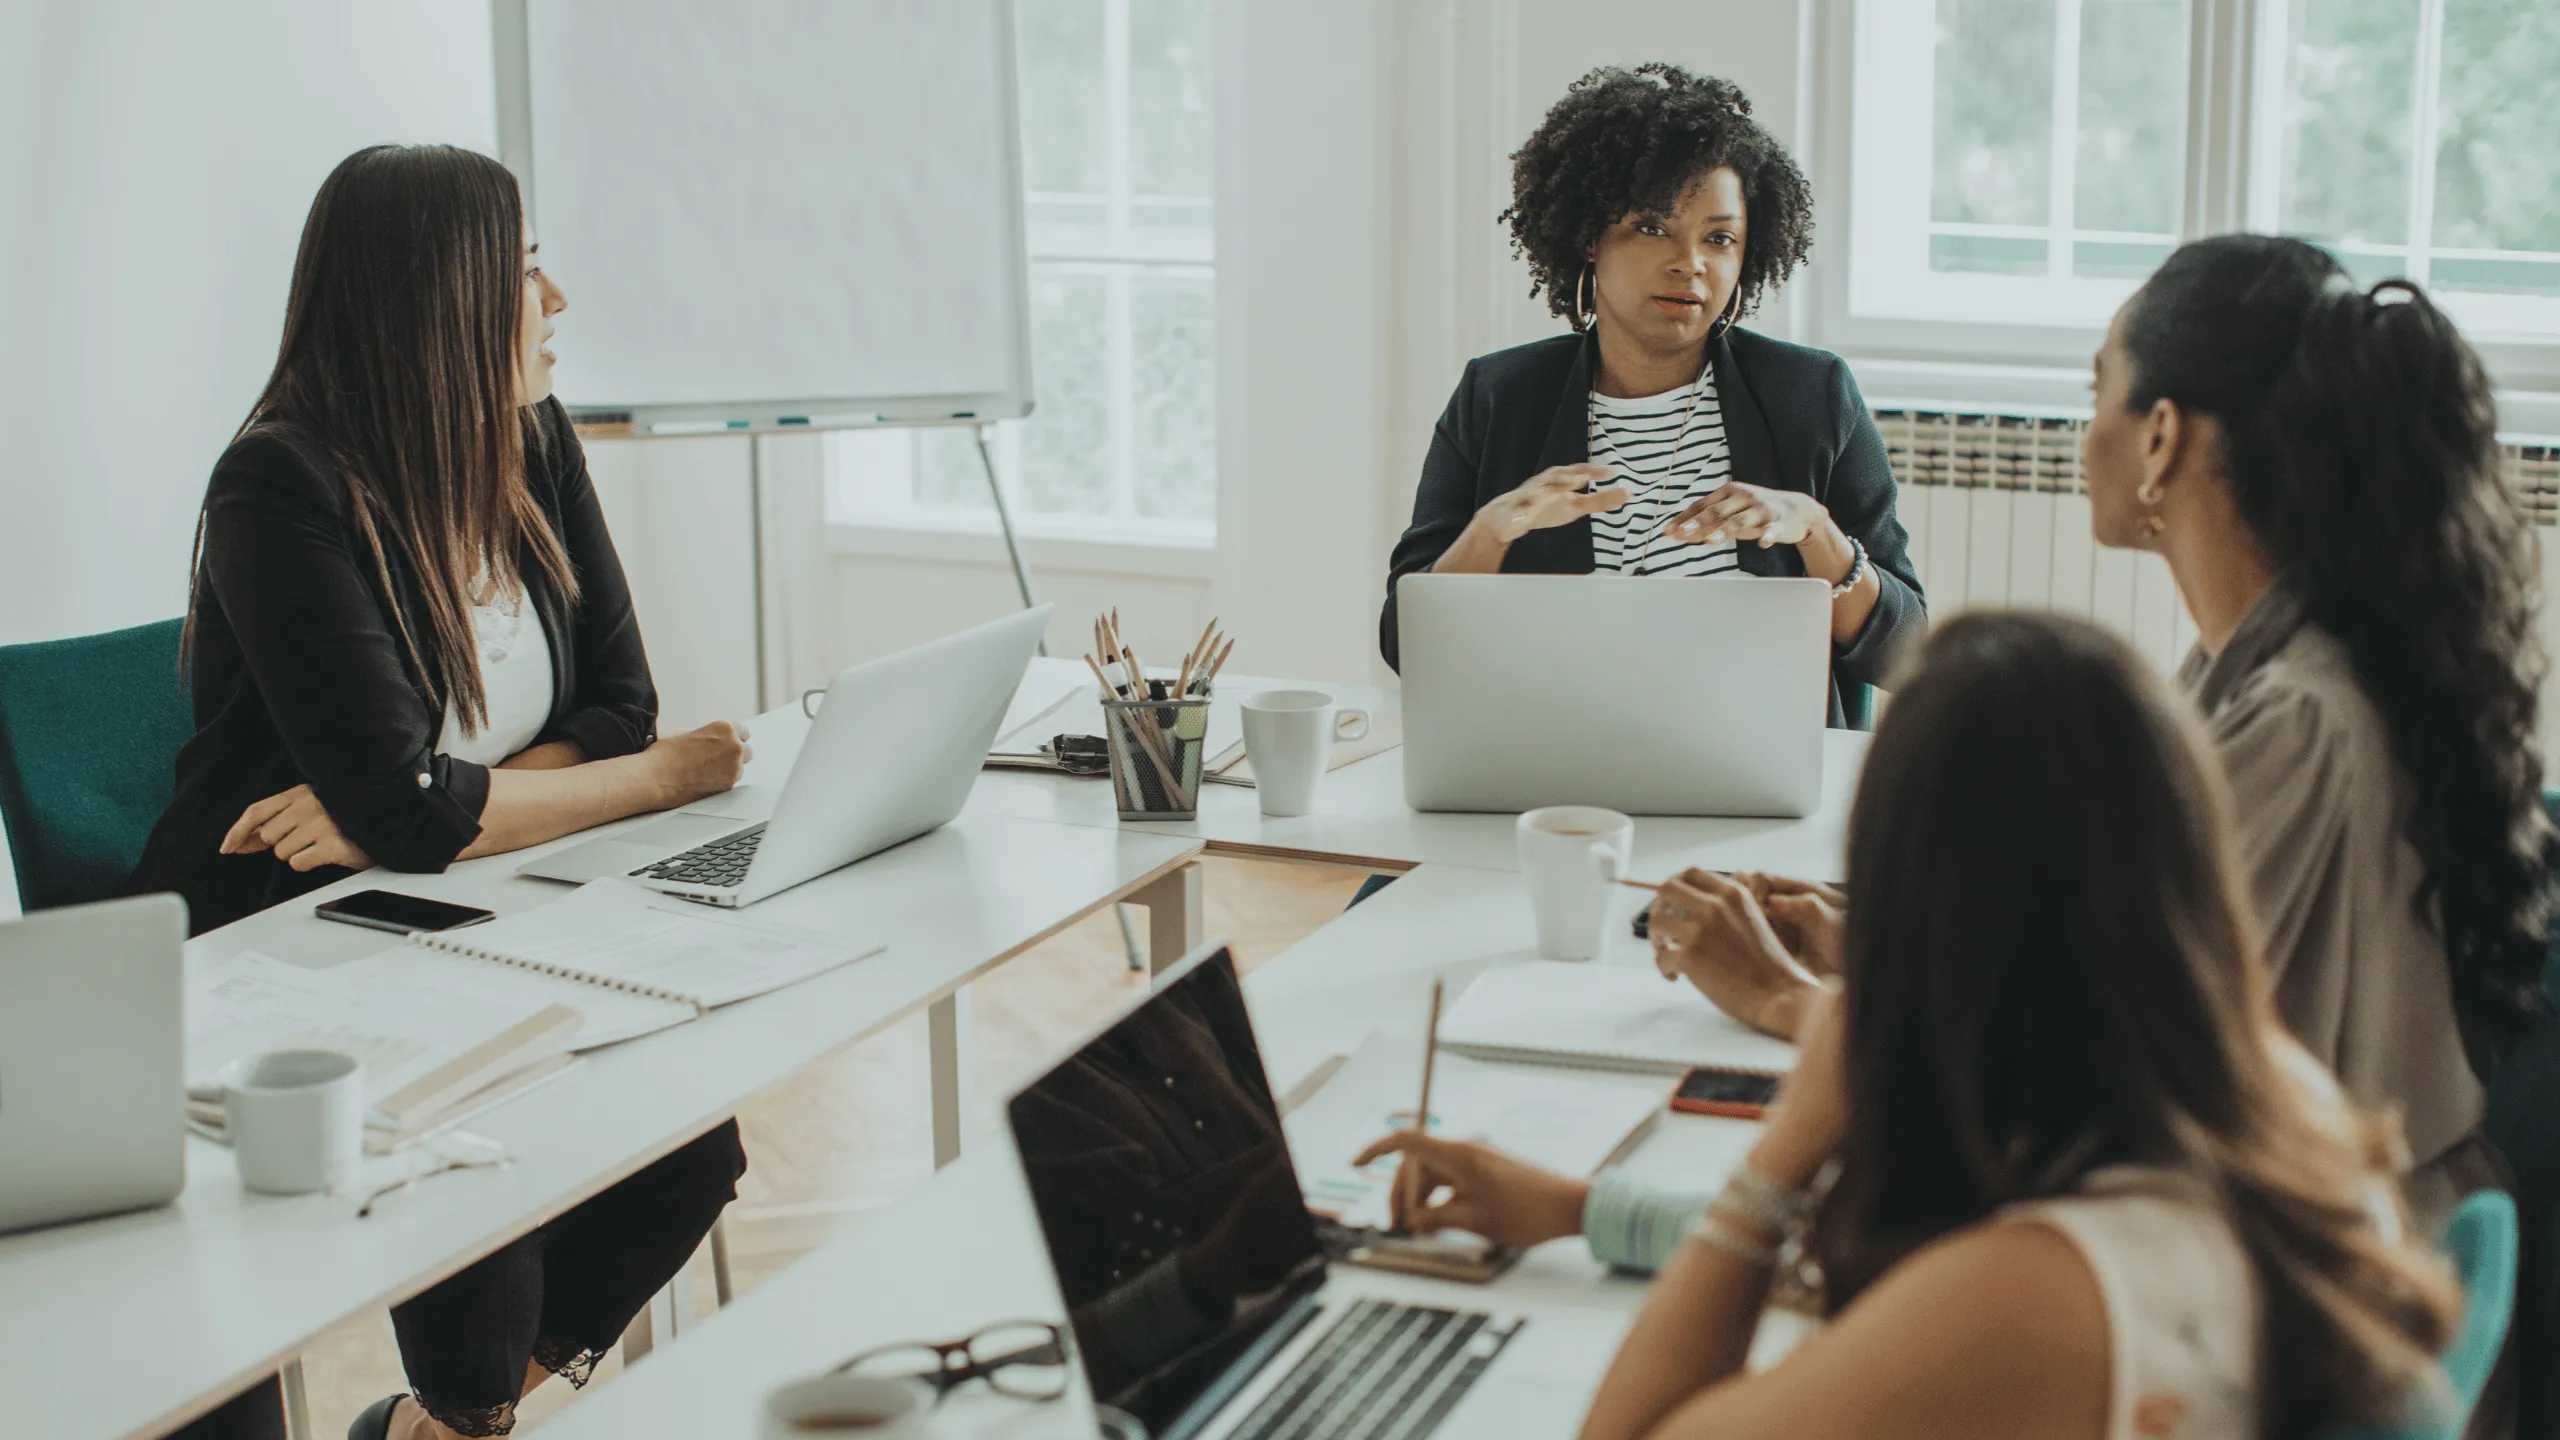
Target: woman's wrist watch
<point x="1857" y="568"/>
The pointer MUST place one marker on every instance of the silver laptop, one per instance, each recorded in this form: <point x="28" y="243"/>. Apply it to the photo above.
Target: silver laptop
<point x="1643" y="694"/>
<point x="1200" y="1291"/>
<point x="891" y="755"/>
<point x="93" y="1091"/>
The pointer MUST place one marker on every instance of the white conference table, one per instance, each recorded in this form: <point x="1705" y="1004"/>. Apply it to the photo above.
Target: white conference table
<point x="1361" y="819"/>
<point x="964" y="1250"/>
<point x="134" y="1324"/>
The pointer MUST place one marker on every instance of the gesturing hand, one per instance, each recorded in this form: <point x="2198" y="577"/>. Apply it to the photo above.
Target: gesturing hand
<point x="298" y="828"/>
<point x="1738" y="512"/>
<point x="1507" y="1201"/>
<point x="1710" y="930"/>
<point x="1550" y="498"/>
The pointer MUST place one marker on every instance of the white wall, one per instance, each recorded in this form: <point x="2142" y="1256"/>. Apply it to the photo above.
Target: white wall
<point x="156" y="160"/>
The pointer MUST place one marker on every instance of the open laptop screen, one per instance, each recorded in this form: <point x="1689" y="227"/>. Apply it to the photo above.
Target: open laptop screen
<point x="1165" y="1192"/>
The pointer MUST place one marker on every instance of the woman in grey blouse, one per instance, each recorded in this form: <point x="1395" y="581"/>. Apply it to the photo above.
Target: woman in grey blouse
<point x="2317" y="464"/>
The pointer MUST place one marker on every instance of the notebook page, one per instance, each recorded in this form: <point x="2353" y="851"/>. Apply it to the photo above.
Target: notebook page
<point x="1608" y="1016"/>
<point x="400" y="1023"/>
<point x="1570" y="1122"/>
<point x="618" y="933"/>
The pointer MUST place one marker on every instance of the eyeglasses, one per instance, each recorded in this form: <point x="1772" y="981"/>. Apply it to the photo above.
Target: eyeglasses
<point x="1025" y="1359"/>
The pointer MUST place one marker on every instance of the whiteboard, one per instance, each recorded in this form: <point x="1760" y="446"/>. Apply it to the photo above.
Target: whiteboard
<point x="775" y="212"/>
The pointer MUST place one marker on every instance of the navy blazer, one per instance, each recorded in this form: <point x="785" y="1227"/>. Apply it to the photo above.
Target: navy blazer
<point x="1793" y="420"/>
<point x="299" y="679"/>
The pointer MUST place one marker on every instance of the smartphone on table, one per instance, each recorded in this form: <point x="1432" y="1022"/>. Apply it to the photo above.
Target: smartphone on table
<point x="400" y="914"/>
<point x="1734" y="1094"/>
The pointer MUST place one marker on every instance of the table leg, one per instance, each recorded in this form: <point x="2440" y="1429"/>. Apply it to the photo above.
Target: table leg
<point x="946" y="1026"/>
<point x="722" y="1292"/>
<point x="1175" y="914"/>
<point x="297" y="1401"/>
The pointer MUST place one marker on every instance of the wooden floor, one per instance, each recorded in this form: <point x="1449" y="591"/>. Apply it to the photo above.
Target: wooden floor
<point x="850" y="1134"/>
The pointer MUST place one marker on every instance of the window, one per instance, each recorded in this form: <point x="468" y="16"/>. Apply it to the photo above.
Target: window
<point x="2420" y="138"/>
<point x="1117" y="151"/>
<point x="2037" y="166"/>
<point x="2032" y="171"/>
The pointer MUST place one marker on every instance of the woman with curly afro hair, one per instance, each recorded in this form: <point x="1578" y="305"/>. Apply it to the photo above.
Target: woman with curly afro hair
<point x="1658" y="438"/>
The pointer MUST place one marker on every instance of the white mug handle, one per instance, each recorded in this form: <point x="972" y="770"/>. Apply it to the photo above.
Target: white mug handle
<point x="1342" y="719"/>
<point x="1604" y="858"/>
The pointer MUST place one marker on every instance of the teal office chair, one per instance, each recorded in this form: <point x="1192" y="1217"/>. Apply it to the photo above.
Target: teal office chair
<point x="89" y="735"/>
<point x="2480" y="1239"/>
<point x="1858" y="706"/>
<point x="2524" y="1123"/>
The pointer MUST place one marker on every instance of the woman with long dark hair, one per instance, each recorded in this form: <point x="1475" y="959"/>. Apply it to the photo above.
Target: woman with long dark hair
<point x="2086" y="1185"/>
<point x="2317" y="463"/>
<point x="1661" y="437"/>
<point x="410" y="642"/>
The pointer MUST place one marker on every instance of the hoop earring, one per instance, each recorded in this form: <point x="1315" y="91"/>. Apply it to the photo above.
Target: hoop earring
<point x="2147" y="494"/>
<point x="1585" y="311"/>
<point x="1732" y="314"/>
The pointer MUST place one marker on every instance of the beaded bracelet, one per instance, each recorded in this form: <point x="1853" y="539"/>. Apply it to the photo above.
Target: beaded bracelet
<point x="1710" y="1228"/>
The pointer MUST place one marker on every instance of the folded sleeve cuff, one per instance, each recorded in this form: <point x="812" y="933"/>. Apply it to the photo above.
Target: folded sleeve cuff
<point x="601" y="733"/>
<point x="417" y="823"/>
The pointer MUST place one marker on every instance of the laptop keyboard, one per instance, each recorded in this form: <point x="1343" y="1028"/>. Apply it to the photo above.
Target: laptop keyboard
<point x="720" y="864"/>
<point x="1385" y="1371"/>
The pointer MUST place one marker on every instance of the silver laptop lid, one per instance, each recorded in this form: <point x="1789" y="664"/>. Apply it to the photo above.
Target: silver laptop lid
<point x="93" y="1104"/>
<point x="894" y="750"/>
<point x="1649" y="695"/>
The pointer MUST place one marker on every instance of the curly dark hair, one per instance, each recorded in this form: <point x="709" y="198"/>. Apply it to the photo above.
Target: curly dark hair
<point x="2360" y="438"/>
<point x="1625" y="141"/>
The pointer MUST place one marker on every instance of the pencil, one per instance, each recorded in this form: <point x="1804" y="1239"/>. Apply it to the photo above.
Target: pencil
<point x="1217" y="665"/>
<point x="1406" y="1182"/>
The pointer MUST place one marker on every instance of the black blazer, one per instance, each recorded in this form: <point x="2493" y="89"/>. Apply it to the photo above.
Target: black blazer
<point x="1793" y="420"/>
<point x="299" y="677"/>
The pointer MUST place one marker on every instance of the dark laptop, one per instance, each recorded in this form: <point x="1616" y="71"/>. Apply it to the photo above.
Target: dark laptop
<point x="1197" y="1289"/>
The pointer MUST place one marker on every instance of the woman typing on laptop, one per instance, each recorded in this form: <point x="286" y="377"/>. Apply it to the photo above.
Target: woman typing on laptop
<point x="1658" y="439"/>
<point x="410" y="642"/>
<point x="2083" y="1184"/>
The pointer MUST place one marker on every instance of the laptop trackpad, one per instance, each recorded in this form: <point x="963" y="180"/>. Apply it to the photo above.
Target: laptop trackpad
<point x="621" y="854"/>
<point x="742" y="802"/>
<point x="680" y="831"/>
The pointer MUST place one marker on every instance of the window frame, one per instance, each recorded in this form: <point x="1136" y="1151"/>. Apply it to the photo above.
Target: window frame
<point x="2234" y="63"/>
<point x="1119" y="254"/>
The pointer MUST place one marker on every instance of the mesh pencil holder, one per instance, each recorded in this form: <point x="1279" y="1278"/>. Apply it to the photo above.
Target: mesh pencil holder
<point x="1156" y="748"/>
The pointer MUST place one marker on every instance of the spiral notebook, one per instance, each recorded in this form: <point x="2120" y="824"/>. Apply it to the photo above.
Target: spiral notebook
<point x="1603" y="1017"/>
<point x="637" y="945"/>
<point x="441" y="1018"/>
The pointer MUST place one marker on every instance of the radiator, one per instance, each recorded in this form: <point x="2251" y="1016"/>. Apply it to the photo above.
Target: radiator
<point x="1999" y="516"/>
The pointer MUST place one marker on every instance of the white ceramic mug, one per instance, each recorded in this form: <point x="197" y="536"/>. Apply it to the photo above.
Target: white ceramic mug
<point x="296" y="1119"/>
<point x="838" y="1404"/>
<point x="1289" y="735"/>
<point x="1570" y="855"/>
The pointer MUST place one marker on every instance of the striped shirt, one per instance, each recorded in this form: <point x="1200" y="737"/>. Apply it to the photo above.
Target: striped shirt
<point x="1643" y="441"/>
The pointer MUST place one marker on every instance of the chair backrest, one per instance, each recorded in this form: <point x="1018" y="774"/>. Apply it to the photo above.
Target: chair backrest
<point x="90" y="730"/>
<point x="2524" y="1123"/>
<point x="2480" y="1239"/>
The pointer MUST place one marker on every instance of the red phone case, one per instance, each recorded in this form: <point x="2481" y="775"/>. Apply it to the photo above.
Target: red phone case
<point x="1727" y="1109"/>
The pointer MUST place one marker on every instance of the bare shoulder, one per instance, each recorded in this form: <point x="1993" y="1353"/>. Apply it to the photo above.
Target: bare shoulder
<point x="1998" y="1330"/>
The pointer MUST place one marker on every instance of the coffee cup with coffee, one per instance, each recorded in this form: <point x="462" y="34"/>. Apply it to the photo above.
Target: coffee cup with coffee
<point x="1570" y="856"/>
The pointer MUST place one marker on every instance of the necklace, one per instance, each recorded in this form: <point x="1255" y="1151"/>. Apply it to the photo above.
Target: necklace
<point x="1670" y="469"/>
